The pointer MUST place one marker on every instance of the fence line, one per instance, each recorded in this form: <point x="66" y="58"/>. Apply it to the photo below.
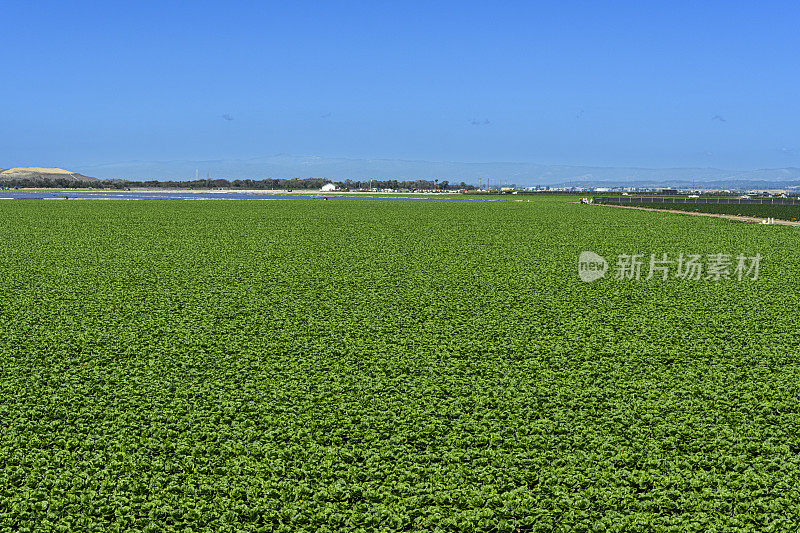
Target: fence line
<point x="749" y="201"/>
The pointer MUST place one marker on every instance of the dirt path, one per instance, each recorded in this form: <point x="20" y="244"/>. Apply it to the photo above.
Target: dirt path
<point x="698" y="214"/>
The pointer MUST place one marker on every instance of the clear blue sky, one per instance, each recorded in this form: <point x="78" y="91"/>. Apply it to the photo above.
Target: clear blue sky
<point x="593" y="83"/>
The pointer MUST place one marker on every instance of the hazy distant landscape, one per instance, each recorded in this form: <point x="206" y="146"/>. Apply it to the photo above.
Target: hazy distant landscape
<point x="521" y="174"/>
<point x="339" y="170"/>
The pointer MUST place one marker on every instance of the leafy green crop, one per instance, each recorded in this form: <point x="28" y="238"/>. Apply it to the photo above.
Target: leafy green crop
<point x="389" y="366"/>
<point x="783" y="212"/>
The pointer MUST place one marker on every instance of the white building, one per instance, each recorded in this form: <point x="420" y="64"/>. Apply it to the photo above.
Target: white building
<point x="328" y="187"/>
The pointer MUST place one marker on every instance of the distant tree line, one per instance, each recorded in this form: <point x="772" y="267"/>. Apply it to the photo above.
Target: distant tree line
<point x="266" y="184"/>
<point x="61" y="183"/>
<point x="280" y="184"/>
<point x="411" y="185"/>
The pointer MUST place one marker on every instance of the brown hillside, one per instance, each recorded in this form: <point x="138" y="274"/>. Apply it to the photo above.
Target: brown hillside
<point x="41" y="174"/>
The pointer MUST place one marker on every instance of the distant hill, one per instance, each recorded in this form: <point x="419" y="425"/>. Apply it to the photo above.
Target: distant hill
<point x="42" y="175"/>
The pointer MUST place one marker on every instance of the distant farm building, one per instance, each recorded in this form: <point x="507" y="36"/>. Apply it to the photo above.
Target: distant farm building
<point x="328" y="187"/>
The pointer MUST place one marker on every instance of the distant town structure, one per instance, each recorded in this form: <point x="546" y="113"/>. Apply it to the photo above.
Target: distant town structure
<point x="328" y="187"/>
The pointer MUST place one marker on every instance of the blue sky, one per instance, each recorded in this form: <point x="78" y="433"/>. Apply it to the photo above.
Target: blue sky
<point x="654" y="84"/>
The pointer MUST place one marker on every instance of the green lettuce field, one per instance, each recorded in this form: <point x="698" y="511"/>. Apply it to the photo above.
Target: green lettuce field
<point x="783" y="212"/>
<point x="390" y="366"/>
